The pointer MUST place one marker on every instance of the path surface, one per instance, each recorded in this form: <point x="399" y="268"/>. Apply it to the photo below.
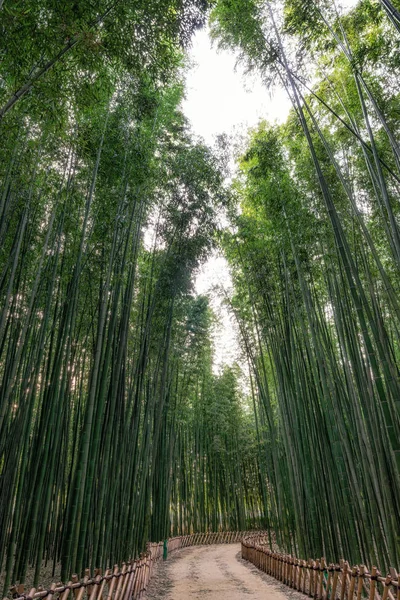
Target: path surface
<point x="213" y="573"/>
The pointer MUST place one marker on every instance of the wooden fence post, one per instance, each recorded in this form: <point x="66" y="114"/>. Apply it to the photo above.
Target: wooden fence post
<point x="360" y="581"/>
<point x="344" y="579"/>
<point x="352" y="583"/>
<point x="322" y="567"/>
<point x="313" y="577"/>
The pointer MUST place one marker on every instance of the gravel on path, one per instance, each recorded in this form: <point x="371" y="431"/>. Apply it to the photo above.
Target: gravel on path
<point x="214" y="572"/>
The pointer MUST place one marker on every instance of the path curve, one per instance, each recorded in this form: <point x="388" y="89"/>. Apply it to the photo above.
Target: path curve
<point x="211" y="573"/>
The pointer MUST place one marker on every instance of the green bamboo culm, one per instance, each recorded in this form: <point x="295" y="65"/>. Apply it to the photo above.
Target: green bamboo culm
<point x="108" y="205"/>
<point x="315" y="261"/>
<point x="115" y="428"/>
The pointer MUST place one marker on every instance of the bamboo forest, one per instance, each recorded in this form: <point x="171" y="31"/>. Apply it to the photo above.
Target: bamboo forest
<point x="117" y="428"/>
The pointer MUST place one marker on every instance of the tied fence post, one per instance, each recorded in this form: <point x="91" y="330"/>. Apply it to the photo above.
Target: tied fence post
<point x="120" y="582"/>
<point x="79" y="592"/>
<point x="322" y="568"/>
<point x="335" y="581"/>
<point x="126" y="578"/>
<point x="102" y="583"/>
<point x="313" y="577"/>
<point x="310" y="577"/>
<point x="291" y="571"/>
<point x="111" y="585"/>
<point x="65" y="594"/>
<point x="352" y="583"/>
<point x="386" y="588"/>
<point x="130" y="582"/>
<point x="303" y="575"/>
<point x="372" y="585"/>
<point x="360" y="581"/>
<point x="330" y="570"/>
<point x="343" y="580"/>
<point x="395" y="578"/>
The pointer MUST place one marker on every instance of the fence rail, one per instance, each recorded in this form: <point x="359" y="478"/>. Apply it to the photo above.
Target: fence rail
<point x="128" y="582"/>
<point x="319" y="580"/>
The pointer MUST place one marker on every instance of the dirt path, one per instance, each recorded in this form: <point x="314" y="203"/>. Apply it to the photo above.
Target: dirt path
<point x="214" y="573"/>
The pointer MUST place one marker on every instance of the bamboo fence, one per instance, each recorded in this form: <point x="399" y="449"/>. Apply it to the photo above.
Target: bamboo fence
<point x="319" y="580"/>
<point x="127" y="582"/>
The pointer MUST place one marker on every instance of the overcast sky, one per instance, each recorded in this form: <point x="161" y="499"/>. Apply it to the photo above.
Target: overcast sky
<point x="221" y="99"/>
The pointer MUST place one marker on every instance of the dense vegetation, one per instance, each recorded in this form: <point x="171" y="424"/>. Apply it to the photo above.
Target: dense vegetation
<point x="107" y="208"/>
<point x="113" y="427"/>
<point x="315" y="256"/>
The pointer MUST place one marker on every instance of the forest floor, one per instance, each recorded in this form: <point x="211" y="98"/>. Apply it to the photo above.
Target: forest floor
<point x="214" y="573"/>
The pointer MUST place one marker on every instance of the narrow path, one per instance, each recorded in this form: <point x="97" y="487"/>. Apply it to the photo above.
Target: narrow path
<point x="213" y="573"/>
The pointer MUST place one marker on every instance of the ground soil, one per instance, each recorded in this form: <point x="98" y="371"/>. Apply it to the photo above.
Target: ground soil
<point x="214" y="573"/>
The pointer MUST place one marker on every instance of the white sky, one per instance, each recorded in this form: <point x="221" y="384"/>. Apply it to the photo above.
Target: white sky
<point x="221" y="99"/>
<point x="215" y="272"/>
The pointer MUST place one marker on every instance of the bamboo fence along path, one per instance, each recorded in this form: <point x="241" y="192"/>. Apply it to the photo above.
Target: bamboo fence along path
<point x="319" y="580"/>
<point x="128" y="581"/>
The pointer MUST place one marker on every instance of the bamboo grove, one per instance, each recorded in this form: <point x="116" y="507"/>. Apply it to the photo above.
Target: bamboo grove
<point x="315" y="258"/>
<point x="114" y="428"/>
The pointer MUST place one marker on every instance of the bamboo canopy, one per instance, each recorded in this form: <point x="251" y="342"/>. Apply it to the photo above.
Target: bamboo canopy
<point x="116" y="428"/>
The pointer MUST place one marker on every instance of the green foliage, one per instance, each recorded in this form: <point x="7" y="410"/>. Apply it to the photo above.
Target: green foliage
<point x="102" y="341"/>
<point x="315" y="259"/>
<point x="106" y="356"/>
